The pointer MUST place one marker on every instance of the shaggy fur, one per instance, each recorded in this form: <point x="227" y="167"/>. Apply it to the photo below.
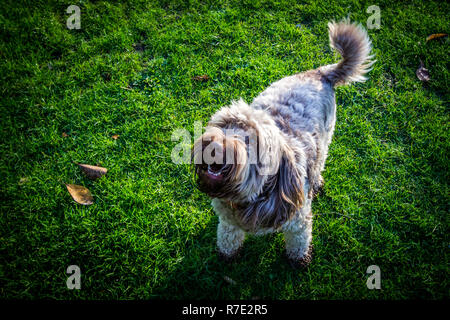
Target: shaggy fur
<point x="262" y="163"/>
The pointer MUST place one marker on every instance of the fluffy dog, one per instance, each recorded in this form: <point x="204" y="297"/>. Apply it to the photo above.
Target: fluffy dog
<point x="261" y="163"/>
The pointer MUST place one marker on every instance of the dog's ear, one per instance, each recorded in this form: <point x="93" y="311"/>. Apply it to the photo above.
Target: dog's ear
<point x="281" y="198"/>
<point x="288" y="190"/>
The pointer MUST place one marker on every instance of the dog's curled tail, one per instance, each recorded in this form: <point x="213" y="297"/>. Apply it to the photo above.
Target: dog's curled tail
<point x="353" y="44"/>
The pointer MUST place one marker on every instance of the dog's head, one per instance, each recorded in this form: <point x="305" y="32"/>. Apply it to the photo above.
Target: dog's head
<point x="244" y="159"/>
<point x="220" y="163"/>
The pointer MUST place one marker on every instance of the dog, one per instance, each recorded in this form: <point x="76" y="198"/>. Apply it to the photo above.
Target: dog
<point x="261" y="163"/>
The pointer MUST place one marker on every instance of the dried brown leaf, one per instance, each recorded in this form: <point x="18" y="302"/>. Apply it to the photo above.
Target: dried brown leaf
<point x="80" y="194"/>
<point x="435" y="36"/>
<point x="422" y="73"/>
<point x="92" y="172"/>
<point x="202" y="78"/>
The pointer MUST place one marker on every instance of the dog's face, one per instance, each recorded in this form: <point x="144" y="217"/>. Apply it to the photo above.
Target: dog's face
<point x="220" y="163"/>
<point x="243" y="158"/>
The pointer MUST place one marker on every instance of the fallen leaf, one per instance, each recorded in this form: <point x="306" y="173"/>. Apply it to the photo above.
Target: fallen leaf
<point x="422" y="73"/>
<point x="92" y="172"/>
<point x="65" y="135"/>
<point x="80" y="194"/>
<point x="115" y="136"/>
<point x="435" y="36"/>
<point x="23" y="180"/>
<point x="202" y="78"/>
<point x="229" y="280"/>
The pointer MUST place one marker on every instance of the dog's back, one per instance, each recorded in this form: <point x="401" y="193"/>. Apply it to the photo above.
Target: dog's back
<point x="306" y="100"/>
<point x="303" y="105"/>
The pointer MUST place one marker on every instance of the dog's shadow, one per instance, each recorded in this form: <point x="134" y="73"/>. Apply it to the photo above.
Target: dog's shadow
<point x="261" y="271"/>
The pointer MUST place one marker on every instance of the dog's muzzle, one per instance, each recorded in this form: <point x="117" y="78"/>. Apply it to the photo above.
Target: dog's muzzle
<point x="213" y="172"/>
<point x="213" y="162"/>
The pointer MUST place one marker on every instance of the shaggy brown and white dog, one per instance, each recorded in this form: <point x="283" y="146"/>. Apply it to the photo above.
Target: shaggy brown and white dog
<point x="261" y="163"/>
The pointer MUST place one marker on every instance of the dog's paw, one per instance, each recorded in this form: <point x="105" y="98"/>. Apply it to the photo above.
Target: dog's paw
<point x="303" y="262"/>
<point x="228" y="258"/>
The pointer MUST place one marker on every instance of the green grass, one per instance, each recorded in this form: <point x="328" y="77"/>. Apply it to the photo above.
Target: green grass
<point x="150" y="233"/>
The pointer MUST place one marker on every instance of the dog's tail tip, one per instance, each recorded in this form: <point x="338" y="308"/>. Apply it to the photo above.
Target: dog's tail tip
<point x="352" y="42"/>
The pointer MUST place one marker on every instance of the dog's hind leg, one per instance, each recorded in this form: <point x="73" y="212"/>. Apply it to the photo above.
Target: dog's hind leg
<point x="229" y="239"/>
<point x="298" y="236"/>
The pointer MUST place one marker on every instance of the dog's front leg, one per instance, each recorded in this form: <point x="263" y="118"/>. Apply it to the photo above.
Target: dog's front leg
<point x="298" y="236"/>
<point x="229" y="239"/>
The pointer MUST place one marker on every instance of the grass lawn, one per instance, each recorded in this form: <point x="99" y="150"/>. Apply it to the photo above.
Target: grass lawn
<point x="150" y="234"/>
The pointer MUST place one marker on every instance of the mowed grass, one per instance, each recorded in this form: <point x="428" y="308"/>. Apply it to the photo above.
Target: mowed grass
<point x="150" y="234"/>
